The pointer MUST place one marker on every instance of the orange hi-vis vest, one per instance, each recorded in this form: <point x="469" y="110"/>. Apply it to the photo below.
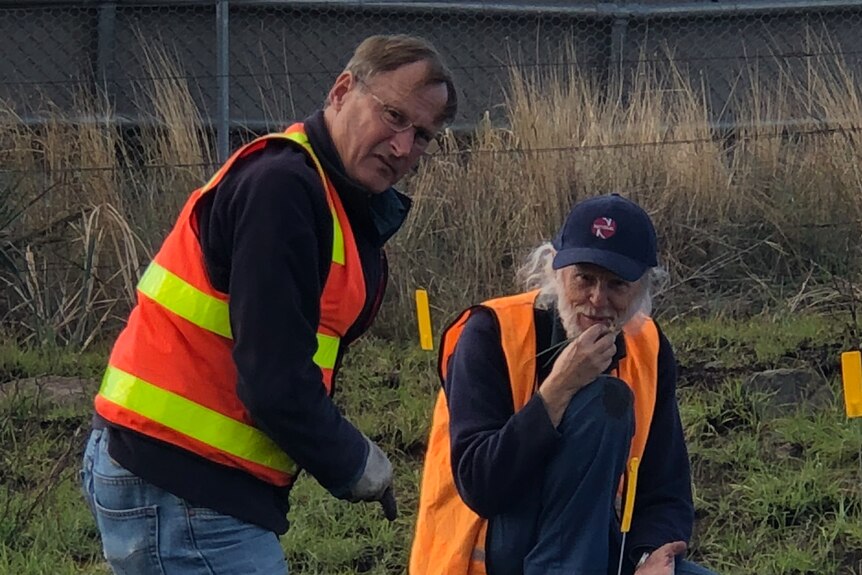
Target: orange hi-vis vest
<point x="450" y="537"/>
<point x="171" y="375"/>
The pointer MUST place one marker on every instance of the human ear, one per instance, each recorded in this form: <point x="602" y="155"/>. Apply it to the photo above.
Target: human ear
<point x="340" y="88"/>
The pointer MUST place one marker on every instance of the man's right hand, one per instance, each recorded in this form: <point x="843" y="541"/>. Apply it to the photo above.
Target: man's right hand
<point x="580" y="362"/>
<point x="662" y="560"/>
<point x="376" y="477"/>
<point x="584" y="358"/>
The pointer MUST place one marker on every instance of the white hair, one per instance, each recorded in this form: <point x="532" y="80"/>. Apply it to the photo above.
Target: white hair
<point x="537" y="273"/>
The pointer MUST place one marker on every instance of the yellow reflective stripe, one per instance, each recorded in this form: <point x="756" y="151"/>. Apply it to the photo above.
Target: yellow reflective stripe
<point x="301" y="139"/>
<point x="185" y="300"/>
<point x="207" y="312"/>
<point x="193" y="420"/>
<point x="337" y="240"/>
<point x="327" y="351"/>
<point x="337" y="232"/>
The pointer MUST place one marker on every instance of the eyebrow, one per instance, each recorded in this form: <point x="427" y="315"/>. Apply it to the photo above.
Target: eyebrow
<point x="426" y="132"/>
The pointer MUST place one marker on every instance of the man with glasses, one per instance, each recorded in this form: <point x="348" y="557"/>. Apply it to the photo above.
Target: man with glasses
<point x="218" y="391"/>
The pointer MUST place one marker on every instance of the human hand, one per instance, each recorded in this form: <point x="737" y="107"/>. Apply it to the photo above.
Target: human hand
<point x="584" y="358"/>
<point x="661" y="561"/>
<point x="580" y="362"/>
<point x="376" y="480"/>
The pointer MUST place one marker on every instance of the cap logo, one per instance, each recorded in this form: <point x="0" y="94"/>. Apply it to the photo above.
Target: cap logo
<point x="604" y="228"/>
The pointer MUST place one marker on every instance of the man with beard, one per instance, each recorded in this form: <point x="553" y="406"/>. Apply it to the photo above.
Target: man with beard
<point x="547" y="395"/>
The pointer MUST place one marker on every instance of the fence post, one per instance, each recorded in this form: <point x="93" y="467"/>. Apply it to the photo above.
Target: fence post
<point x="223" y="81"/>
<point x="105" y="46"/>
<point x="617" y="54"/>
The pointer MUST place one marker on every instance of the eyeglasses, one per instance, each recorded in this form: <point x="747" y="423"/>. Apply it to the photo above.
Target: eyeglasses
<point x="398" y="122"/>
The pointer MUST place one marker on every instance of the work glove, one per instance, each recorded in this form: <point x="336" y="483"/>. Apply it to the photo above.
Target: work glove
<point x="375" y="483"/>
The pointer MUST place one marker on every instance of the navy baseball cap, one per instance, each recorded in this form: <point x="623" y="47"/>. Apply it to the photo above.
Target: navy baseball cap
<point x="608" y="231"/>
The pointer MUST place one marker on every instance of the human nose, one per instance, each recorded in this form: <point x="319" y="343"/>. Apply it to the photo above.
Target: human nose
<point x="599" y="295"/>
<point x="402" y="142"/>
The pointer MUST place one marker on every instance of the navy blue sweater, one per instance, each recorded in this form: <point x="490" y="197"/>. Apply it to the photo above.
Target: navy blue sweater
<point x="266" y="235"/>
<point x="496" y="451"/>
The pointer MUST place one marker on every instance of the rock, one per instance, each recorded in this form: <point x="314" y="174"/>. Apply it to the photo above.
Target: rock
<point x="788" y="388"/>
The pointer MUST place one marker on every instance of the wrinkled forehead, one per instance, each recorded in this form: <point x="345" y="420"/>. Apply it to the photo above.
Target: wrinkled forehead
<point x="410" y="90"/>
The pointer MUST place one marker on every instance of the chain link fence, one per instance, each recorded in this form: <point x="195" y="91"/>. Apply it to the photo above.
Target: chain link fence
<point x="256" y="65"/>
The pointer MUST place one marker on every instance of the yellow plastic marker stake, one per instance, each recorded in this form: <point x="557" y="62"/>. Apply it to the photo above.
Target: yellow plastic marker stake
<point x="851" y="375"/>
<point x="629" y="507"/>
<point x="423" y="315"/>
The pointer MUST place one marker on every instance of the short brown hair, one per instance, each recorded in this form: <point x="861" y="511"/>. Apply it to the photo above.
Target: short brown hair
<point x="381" y="53"/>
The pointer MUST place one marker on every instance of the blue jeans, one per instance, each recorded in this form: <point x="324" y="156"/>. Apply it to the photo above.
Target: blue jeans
<point x="148" y="531"/>
<point x="569" y="526"/>
<point x="684" y="567"/>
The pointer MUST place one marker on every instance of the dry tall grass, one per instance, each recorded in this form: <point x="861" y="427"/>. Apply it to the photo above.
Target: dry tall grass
<point x="759" y="213"/>
<point x="754" y="213"/>
<point x="85" y="206"/>
<point x="176" y="153"/>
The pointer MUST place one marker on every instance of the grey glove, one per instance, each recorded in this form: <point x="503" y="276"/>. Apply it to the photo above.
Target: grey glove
<point x="375" y="478"/>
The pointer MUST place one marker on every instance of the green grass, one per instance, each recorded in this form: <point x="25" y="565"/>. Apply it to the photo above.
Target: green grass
<point x="776" y="494"/>
<point x="758" y="340"/>
<point x="16" y="362"/>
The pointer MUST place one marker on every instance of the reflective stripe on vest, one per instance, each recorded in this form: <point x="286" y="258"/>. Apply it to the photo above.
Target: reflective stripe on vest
<point x="193" y="420"/>
<point x="146" y="398"/>
<point x="301" y="138"/>
<point x="211" y="313"/>
<point x="447" y="530"/>
<point x="185" y="300"/>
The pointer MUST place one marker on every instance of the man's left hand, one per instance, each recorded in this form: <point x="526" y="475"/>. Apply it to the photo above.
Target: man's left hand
<point x="661" y="561"/>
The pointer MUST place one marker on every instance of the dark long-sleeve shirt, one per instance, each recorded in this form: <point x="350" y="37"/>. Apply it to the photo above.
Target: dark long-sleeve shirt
<point x="496" y="451"/>
<point x="266" y="235"/>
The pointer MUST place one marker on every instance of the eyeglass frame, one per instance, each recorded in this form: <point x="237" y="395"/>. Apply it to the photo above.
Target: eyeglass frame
<point x="418" y="131"/>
